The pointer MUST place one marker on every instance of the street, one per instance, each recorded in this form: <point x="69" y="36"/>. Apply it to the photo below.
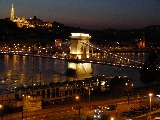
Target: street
<point x="70" y="111"/>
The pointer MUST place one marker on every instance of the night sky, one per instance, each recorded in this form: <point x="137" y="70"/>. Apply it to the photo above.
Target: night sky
<point x="90" y="14"/>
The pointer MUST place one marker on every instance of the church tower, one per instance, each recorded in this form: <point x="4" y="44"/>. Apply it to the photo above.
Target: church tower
<point x="12" y="13"/>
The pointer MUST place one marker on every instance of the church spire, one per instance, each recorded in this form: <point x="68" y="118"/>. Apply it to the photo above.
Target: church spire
<point x="12" y="13"/>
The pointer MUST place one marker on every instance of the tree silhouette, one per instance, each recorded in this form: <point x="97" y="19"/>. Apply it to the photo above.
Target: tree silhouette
<point x="149" y="72"/>
<point x="117" y="86"/>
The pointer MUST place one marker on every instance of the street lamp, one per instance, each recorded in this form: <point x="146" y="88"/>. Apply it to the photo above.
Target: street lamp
<point x="79" y="107"/>
<point x="1" y="107"/>
<point x="24" y="97"/>
<point x="150" y="96"/>
<point x="112" y="118"/>
<point x="77" y="97"/>
<point x="127" y="92"/>
<point x="89" y="90"/>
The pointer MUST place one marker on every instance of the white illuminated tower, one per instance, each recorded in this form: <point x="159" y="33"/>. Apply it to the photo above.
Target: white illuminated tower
<point x="12" y="13"/>
<point x="79" y="50"/>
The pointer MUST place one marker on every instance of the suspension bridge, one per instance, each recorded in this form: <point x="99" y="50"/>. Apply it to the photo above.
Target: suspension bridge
<point x="115" y="59"/>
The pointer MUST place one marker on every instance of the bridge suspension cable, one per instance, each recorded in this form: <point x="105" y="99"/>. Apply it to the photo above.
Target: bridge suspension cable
<point x="116" y="55"/>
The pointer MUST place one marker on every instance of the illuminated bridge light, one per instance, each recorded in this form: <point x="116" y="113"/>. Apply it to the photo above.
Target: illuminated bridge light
<point x="116" y="55"/>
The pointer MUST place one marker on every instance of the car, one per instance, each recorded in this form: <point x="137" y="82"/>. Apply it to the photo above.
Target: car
<point x="125" y="114"/>
<point x="100" y="116"/>
<point x="99" y="110"/>
<point x="132" y="113"/>
<point x="111" y="107"/>
<point x="94" y="107"/>
<point x="97" y="116"/>
<point x="155" y="107"/>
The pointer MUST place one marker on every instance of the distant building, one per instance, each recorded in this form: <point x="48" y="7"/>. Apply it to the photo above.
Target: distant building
<point x="28" y="23"/>
<point x="12" y="13"/>
<point x="33" y="22"/>
<point x="47" y="24"/>
<point x="21" y="22"/>
<point x="142" y="42"/>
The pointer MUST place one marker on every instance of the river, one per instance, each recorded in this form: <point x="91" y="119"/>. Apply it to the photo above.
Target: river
<point x="18" y="69"/>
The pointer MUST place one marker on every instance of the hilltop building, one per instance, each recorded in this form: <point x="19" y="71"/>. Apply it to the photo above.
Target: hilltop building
<point x="12" y="13"/>
<point x="28" y="23"/>
<point x="21" y="22"/>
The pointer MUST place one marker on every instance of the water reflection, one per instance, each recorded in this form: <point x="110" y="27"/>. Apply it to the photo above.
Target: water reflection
<point x="15" y="69"/>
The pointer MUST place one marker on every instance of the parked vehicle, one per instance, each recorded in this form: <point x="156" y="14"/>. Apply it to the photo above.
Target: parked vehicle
<point x="94" y="107"/>
<point x="111" y="107"/>
<point x="125" y="114"/>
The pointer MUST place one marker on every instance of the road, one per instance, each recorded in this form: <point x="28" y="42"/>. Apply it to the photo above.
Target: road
<point x="70" y="112"/>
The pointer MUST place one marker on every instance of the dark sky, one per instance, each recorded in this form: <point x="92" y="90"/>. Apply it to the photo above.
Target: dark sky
<point x="90" y="14"/>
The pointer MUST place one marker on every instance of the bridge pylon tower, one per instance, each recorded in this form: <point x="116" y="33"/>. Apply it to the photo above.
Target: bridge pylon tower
<point x="78" y="52"/>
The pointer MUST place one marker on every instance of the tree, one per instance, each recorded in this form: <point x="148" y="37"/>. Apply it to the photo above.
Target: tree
<point x="117" y="86"/>
<point x="149" y="72"/>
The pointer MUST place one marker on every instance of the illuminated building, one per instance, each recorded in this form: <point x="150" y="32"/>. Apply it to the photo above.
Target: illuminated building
<point x="28" y="23"/>
<point x="12" y="13"/>
<point x="34" y="22"/>
<point x="47" y="24"/>
<point x="21" y="21"/>
<point x="78" y="52"/>
<point x="142" y="42"/>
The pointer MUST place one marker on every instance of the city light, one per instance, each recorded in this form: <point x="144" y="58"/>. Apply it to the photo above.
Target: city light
<point x="77" y="97"/>
<point x="81" y="55"/>
<point x="1" y="106"/>
<point x="150" y="96"/>
<point x="112" y="118"/>
<point x="80" y="34"/>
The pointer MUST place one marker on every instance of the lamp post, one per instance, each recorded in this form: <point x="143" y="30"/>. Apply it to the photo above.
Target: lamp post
<point x="24" y="98"/>
<point x="89" y="90"/>
<point x="79" y="107"/>
<point x="150" y="98"/>
<point x="1" y="107"/>
<point x="127" y="92"/>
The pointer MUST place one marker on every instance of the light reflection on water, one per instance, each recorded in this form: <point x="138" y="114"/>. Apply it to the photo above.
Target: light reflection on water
<point x="15" y="69"/>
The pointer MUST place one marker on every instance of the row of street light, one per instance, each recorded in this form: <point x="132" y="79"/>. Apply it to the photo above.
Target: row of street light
<point x="150" y="100"/>
<point x="77" y="98"/>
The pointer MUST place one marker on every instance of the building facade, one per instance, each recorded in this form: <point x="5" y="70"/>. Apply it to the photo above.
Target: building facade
<point x="28" y="23"/>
